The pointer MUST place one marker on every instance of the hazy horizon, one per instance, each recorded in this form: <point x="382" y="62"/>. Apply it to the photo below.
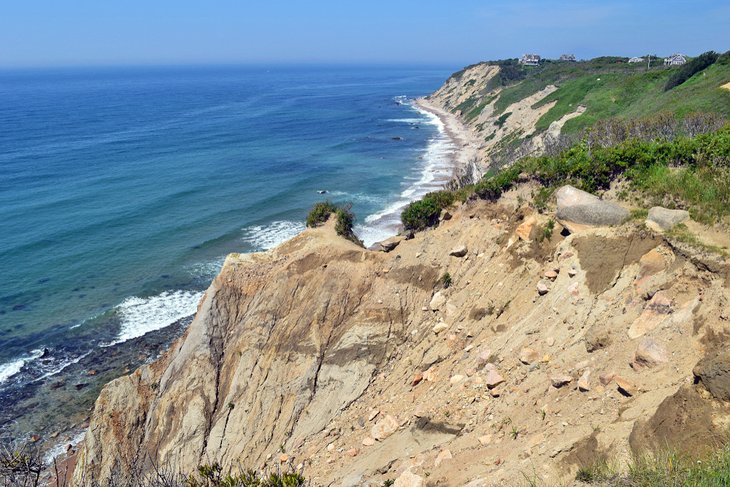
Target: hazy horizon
<point x="324" y="32"/>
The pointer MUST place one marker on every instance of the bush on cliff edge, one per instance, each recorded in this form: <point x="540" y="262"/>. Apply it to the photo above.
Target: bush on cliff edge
<point x="320" y="213"/>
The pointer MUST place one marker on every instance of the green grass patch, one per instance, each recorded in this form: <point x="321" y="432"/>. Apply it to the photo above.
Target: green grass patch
<point x="425" y="212"/>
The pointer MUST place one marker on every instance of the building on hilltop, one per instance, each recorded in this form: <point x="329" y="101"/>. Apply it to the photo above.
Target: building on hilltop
<point x="634" y="60"/>
<point x="675" y="60"/>
<point x="530" y="60"/>
<point x="568" y="57"/>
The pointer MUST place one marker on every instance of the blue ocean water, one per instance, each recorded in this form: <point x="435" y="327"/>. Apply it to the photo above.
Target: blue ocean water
<point x="121" y="190"/>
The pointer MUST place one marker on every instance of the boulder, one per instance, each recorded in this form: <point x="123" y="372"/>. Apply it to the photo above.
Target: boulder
<point x="390" y="244"/>
<point x="662" y="219"/>
<point x="384" y="428"/>
<point x="714" y="373"/>
<point x="649" y="353"/>
<point x="437" y="301"/>
<point x="584" y="208"/>
<point x="492" y="378"/>
<point x="458" y="251"/>
<point x="529" y="356"/>
<point x="560" y="380"/>
<point x="409" y="479"/>
<point x="542" y="288"/>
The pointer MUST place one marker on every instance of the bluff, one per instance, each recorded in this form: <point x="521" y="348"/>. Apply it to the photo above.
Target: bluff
<point x="502" y="345"/>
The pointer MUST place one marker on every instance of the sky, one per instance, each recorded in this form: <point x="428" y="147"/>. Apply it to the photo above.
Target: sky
<point x="37" y="33"/>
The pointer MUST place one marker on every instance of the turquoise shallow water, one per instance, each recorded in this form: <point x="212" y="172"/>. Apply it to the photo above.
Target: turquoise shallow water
<point x="121" y="190"/>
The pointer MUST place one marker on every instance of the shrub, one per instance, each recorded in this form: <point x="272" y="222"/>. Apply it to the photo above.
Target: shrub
<point x="425" y="212"/>
<point x="693" y="67"/>
<point x="319" y="213"/>
<point x="445" y="280"/>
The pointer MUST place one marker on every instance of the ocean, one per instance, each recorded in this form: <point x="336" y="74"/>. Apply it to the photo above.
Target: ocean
<point x="122" y="190"/>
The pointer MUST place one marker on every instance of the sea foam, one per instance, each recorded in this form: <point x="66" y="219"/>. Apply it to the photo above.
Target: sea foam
<point x="143" y="315"/>
<point x="9" y="369"/>
<point x="265" y="237"/>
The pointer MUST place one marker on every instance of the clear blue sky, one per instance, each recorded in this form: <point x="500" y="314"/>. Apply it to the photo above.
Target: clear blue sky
<point x="91" y="32"/>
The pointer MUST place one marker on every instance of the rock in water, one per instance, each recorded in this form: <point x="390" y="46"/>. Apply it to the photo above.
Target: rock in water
<point x="584" y="208"/>
<point x="662" y="219"/>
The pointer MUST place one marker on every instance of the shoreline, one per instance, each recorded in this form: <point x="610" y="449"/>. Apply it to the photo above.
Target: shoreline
<point x="464" y="140"/>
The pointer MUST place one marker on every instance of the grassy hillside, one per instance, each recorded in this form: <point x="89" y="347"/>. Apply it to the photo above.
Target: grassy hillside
<point x="610" y="87"/>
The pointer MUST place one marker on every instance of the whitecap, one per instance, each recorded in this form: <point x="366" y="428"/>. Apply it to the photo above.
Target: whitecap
<point x="140" y="316"/>
<point x="9" y="369"/>
<point x="265" y="237"/>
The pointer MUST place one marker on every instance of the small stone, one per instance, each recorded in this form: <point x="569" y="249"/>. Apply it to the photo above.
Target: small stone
<point x="283" y="458"/>
<point x="331" y="447"/>
<point x="439" y="327"/>
<point x="352" y="452"/>
<point x="35" y="438"/>
<point x="456" y="379"/>
<point x="409" y="479"/>
<point x="458" y="251"/>
<point x="429" y="375"/>
<point x="524" y="230"/>
<point x="572" y="272"/>
<point x="529" y="356"/>
<point x="417" y="378"/>
<point x="584" y="383"/>
<point x="492" y="378"/>
<point x="552" y="275"/>
<point x="606" y="378"/>
<point x="373" y="414"/>
<point x="443" y="455"/>
<point x="550" y="341"/>
<point x="560" y="380"/>
<point x="367" y="441"/>
<point x="384" y="428"/>
<point x="542" y="288"/>
<point x="484" y="355"/>
<point x="625" y="387"/>
<point x="649" y="353"/>
<point x="485" y="440"/>
<point x="91" y="372"/>
<point x="437" y="301"/>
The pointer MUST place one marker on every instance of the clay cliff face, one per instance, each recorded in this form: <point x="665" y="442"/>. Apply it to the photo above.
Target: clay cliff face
<point x="547" y="352"/>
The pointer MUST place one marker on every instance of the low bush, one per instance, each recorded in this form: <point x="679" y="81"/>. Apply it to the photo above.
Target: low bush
<point x="320" y="213"/>
<point x="425" y="212"/>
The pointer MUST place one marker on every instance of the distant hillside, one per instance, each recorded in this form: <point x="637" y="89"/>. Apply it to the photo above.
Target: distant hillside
<point x="511" y="106"/>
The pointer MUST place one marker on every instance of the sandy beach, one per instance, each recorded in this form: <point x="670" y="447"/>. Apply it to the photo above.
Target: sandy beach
<point x="465" y="141"/>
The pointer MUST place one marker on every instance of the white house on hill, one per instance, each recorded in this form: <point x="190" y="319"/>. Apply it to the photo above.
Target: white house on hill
<point x="530" y="60"/>
<point x="675" y="60"/>
<point x="567" y="57"/>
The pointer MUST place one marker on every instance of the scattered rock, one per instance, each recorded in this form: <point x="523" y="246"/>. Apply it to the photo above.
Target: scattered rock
<point x="524" y="230"/>
<point x="529" y="356"/>
<point x="714" y="373"/>
<point x="572" y="272"/>
<point x="606" y="378"/>
<point x="283" y="458"/>
<point x="91" y="372"/>
<point x="492" y="378"/>
<point x="35" y="438"/>
<point x="458" y="251"/>
<point x="649" y="353"/>
<point x="550" y="341"/>
<point x="384" y="428"/>
<point x="417" y="378"/>
<point x="584" y="383"/>
<point x="485" y="440"/>
<point x="560" y="380"/>
<point x="656" y="311"/>
<point x="484" y="355"/>
<point x="662" y="219"/>
<point x="625" y="387"/>
<point x="409" y="479"/>
<point x="456" y="379"/>
<point x="352" y="452"/>
<point x="443" y="455"/>
<point x="373" y="414"/>
<point x="597" y="337"/>
<point x="331" y="447"/>
<point x="439" y="327"/>
<point x="551" y="274"/>
<point x="390" y="244"/>
<point x="542" y="288"/>
<point x="367" y="441"/>
<point x="437" y="301"/>
<point x="584" y="208"/>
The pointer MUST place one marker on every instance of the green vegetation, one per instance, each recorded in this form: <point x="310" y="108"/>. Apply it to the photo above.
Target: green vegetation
<point x="502" y="119"/>
<point x="425" y="212"/>
<point x="677" y="171"/>
<point x="662" y="470"/>
<point x="693" y="67"/>
<point x="445" y="280"/>
<point x="213" y="476"/>
<point x="320" y="213"/>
